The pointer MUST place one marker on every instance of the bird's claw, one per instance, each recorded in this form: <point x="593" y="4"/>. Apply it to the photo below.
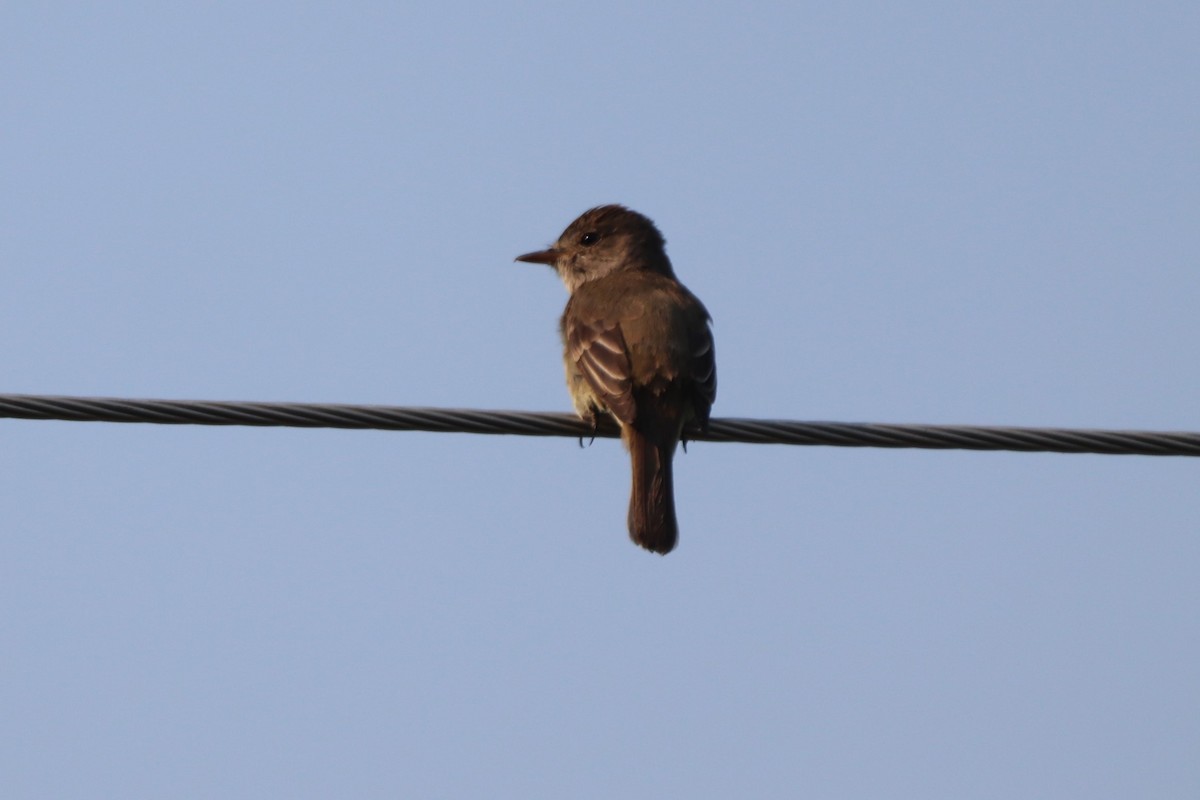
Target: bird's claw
<point x="594" y="423"/>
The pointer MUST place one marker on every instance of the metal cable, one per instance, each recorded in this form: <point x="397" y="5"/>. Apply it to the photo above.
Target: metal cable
<point x="526" y="423"/>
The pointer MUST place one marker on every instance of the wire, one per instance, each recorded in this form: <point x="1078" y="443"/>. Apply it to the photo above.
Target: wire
<point x="526" y="423"/>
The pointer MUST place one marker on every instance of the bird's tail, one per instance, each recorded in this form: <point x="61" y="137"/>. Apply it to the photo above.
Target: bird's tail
<point x="652" y="502"/>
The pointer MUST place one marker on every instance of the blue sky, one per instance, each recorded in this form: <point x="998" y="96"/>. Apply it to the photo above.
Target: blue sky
<point x="932" y="213"/>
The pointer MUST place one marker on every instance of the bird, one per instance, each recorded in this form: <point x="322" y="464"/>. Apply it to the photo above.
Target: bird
<point x="638" y="346"/>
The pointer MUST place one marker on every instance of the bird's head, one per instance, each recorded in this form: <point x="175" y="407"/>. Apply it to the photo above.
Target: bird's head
<point x="604" y="240"/>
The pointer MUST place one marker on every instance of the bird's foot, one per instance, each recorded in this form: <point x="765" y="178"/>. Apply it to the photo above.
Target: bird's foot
<point x="591" y="421"/>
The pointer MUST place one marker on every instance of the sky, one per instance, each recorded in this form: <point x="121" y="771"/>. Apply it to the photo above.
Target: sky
<point x="906" y="213"/>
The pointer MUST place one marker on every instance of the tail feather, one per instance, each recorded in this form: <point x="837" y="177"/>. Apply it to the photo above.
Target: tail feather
<point x="652" y="522"/>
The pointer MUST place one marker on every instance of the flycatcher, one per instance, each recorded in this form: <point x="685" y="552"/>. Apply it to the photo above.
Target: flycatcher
<point x="636" y="345"/>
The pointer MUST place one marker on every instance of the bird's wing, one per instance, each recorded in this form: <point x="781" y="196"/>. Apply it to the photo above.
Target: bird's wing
<point x="703" y="371"/>
<point x="598" y="349"/>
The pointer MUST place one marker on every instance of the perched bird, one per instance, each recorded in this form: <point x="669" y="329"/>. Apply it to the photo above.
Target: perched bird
<point x="636" y="345"/>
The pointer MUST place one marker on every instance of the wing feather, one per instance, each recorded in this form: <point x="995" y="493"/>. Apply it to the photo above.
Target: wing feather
<point x="598" y="350"/>
<point x="703" y="372"/>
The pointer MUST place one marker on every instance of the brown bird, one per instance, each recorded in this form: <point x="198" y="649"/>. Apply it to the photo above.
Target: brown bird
<point x="636" y="345"/>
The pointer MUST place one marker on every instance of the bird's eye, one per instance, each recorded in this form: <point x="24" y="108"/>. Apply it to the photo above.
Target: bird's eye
<point x="589" y="239"/>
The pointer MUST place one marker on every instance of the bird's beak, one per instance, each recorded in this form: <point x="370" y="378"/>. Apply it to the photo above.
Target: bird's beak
<point x="540" y="257"/>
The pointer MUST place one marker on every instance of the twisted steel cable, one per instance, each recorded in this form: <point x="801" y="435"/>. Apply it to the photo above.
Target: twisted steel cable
<point x="526" y="423"/>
